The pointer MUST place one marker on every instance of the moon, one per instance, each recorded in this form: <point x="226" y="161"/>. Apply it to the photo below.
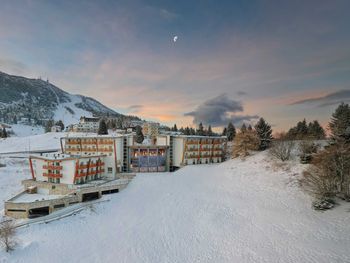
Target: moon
<point x="175" y="38"/>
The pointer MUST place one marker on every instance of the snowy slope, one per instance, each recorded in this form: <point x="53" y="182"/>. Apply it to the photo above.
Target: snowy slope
<point x="46" y="141"/>
<point x="238" y="211"/>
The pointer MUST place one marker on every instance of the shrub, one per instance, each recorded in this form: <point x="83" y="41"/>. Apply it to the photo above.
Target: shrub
<point x="244" y="142"/>
<point x="329" y="173"/>
<point x="282" y="149"/>
<point x="307" y="148"/>
<point x="7" y="234"/>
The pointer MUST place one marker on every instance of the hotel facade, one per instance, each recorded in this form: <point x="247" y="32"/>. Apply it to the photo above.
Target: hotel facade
<point x="120" y="153"/>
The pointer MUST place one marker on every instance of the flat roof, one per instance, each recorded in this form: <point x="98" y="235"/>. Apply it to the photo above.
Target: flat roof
<point x="93" y="135"/>
<point x="28" y="198"/>
<point x="63" y="156"/>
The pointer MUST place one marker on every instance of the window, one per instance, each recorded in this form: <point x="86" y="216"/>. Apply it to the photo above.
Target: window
<point x="110" y="169"/>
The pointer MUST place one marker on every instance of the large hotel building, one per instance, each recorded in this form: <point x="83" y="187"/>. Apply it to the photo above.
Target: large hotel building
<point x="120" y="153"/>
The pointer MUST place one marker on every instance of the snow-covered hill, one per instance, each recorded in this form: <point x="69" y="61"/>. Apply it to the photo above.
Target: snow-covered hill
<point x="237" y="211"/>
<point x="39" y="100"/>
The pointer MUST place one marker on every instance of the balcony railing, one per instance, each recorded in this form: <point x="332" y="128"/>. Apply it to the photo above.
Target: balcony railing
<point x="106" y="142"/>
<point x="52" y="167"/>
<point x="53" y="175"/>
<point x="72" y="143"/>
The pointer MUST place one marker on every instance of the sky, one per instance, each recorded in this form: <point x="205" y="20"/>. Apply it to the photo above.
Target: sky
<point x="232" y="61"/>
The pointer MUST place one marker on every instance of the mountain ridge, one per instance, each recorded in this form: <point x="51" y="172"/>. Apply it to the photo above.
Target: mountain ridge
<point x="39" y="100"/>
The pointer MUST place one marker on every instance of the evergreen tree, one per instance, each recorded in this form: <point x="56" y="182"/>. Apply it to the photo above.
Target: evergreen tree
<point x="60" y="123"/>
<point x="139" y="135"/>
<point x="340" y="123"/>
<point x="187" y="131"/>
<point x="182" y="130"/>
<point x="49" y="125"/>
<point x="4" y="133"/>
<point x="230" y="132"/>
<point x="302" y="129"/>
<point x="316" y="131"/>
<point x="224" y="132"/>
<point x="175" y="128"/>
<point x="192" y="131"/>
<point x="102" y="128"/>
<point x="210" y="132"/>
<point x="250" y="128"/>
<point x="264" y="132"/>
<point x="243" y="128"/>
<point x="200" y="130"/>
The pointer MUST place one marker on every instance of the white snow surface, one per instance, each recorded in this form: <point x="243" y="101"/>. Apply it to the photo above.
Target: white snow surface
<point x="237" y="211"/>
<point x="68" y="118"/>
<point x="46" y="141"/>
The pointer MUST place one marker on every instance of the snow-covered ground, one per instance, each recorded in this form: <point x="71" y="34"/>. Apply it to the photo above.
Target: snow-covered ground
<point x="22" y="130"/>
<point x="46" y="141"/>
<point x="237" y="211"/>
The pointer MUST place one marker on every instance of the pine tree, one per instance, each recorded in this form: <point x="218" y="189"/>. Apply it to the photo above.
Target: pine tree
<point x="250" y="128"/>
<point x="210" y="132"/>
<point x="187" y="131"/>
<point x="340" y="123"/>
<point x="49" y="125"/>
<point x="200" y="130"/>
<point x="139" y="135"/>
<point x="175" y="128"/>
<point x="192" y="131"/>
<point x="182" y="130"/>
<point x="231" y="132"/>
<point x="224" y="132"/>
<point x="102" y="128"/>
<point x="243" y="128"/>
<point x="316" y="131"/>
<point x="4" y="133"/>
<point x="264" y="132"/>
<point x="302" y="130"/>
<point x="60" y="123"/>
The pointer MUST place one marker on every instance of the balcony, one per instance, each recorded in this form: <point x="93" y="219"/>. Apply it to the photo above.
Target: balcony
<point x="72" y="143"/>
<point x="53" y="175"/>
<point x="191" y="142"/>
<point x="105" y="142"/>
<point x="52" y="167"/>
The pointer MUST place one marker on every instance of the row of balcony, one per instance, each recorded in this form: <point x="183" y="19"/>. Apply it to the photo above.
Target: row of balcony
<point x="88" y="150"/>
<point x="203" y="149"/>
<point x="90" y="173"/>
<point x="91" y="165"/>
<point x="88" y="142"/>
<point x="203" y="156"/>
<point x="53" y="175"/>
<point x="52" y="167"/>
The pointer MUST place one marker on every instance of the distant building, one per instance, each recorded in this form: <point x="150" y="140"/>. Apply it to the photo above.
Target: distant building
<point x="86" y="124"/>
<point x="56" y="128"/>
<point x="6" y="126"/>
<point x="150" y="129"/>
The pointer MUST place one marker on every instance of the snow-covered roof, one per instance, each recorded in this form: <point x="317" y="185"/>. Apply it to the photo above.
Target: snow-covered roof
<point x="62" y="156"/>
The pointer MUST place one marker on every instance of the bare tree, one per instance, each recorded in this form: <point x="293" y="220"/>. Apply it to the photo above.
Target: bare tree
<point x="329" y="173"/>
<point x="7" y="234"/>
<point x="282" y="149"/>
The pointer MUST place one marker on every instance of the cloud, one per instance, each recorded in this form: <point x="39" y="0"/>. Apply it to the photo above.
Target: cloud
<point x="330" y="99"/>
<point x="166" y="14"/>
<point x="135" y="108"/>
<point x="241" y="93"/>
<point x="219" y="111"/>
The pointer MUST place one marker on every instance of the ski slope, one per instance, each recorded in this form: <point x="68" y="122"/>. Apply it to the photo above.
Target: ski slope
<point x="237" y="211"/>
